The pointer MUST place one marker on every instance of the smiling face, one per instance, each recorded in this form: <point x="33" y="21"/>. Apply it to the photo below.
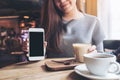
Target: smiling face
<point x="65" y="6"/>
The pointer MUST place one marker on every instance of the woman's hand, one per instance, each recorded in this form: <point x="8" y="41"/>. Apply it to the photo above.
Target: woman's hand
<point x="45" y="46"/>
<point x="26" y="46"/>
<point x="92" y="49"/>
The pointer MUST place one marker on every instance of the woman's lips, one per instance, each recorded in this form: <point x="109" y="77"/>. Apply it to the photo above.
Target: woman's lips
<point x="64" y="7"/>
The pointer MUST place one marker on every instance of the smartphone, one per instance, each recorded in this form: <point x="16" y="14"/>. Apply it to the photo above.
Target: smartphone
<point x="36" y="44"/>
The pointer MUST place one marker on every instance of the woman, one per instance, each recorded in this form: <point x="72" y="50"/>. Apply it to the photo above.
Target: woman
<point x="64" y="25"/>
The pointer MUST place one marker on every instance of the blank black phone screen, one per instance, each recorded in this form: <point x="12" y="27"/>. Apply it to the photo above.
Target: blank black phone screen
<point x="36" y="43"/>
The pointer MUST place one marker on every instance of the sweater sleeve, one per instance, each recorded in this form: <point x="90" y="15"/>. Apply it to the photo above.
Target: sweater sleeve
<point x="98" y="36"/>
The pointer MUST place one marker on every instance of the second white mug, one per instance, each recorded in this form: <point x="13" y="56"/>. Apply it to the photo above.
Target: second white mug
<point x="100" y="63"/>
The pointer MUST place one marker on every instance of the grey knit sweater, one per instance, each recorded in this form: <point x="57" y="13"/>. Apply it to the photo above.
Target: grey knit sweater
<point x="87" y="29"/>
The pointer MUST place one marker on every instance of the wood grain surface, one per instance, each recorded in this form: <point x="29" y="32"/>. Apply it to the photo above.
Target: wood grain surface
<point x="36" y="71"/>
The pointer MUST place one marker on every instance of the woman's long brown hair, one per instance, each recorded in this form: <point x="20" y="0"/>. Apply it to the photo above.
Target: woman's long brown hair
<point x="52" y="23"/>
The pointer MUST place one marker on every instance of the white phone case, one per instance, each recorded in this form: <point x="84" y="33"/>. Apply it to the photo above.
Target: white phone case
<point x="36" y="57"/>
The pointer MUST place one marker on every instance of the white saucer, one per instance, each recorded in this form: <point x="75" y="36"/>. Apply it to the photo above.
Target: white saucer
<point x="83" y="71"/>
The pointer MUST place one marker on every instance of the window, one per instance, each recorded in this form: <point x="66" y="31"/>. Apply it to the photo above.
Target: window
<point x="109" y="14"/>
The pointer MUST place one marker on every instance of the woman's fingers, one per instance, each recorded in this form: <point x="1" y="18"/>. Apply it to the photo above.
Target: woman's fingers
<point x="45" y="44"/>
<point x="92" y="48"/>
<point x="26" y="46"/>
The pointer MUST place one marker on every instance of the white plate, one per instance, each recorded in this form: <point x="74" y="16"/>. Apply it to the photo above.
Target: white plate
<point x="83" y="71"/>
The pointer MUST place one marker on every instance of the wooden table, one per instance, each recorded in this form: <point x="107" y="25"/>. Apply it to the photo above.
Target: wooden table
<point x="36" y="71"/>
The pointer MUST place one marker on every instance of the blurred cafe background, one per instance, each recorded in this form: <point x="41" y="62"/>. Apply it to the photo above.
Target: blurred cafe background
<point x="17" y="16"/>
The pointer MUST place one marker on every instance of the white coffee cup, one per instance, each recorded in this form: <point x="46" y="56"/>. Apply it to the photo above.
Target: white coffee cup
<point x="79" y="50"/>
<point x="100" y="63"/>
